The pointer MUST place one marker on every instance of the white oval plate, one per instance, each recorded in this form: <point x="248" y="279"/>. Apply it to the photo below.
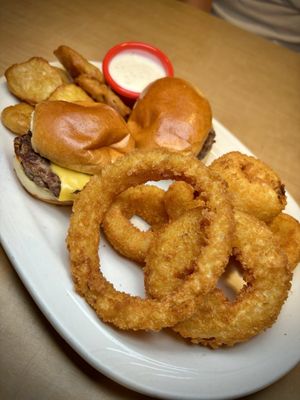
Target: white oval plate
<point x="158" y="364"/>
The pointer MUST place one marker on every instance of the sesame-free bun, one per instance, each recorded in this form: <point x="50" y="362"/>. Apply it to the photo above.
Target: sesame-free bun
<point x="83" y="136"/>
<point x="171" y="113"/>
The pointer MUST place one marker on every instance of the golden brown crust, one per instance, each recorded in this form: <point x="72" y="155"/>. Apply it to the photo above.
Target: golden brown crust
<point x="69" y="92"/>
<point x="76" y="64"/>
<point x="102" y="93"/>
<point x="83" y="137"/>
<point x="17" y="118"/>
<point x="34" y="80"/>
<point x="171" y="114"/>
<point x="254" y="187"/>
<point x="287" y="230"/>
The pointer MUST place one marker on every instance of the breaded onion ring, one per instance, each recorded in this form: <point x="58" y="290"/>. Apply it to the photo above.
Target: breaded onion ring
<point x="179" y="198"/>
<point x="178" y="244"/>
<point x="287" y="230"/>
<point x="218" y="321"/>
<point x="254" y="187"/>
<point x="121" y="309"/>
<point x="144" y="201"/>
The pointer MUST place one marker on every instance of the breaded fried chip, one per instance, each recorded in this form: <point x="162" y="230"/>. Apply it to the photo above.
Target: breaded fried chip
<point x="102" y="93"/>
<point x="76" y="64"/>
<point x="70" y="92"/>
<point x="33" y="81"/>
<point x="64" y="75"/>
<point x="17" y="118"/>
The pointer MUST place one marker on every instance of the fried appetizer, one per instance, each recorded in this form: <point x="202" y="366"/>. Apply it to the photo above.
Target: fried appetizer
<point x="17" y="118"/>
<point x="218" y="321"/>
<point x="145" y="201"/>
<point x="76" y="64"/>
<point x="33" y="81"/>
<point x="119" y="308"/>
<point x="70" y="92"/>
<point x="287" y="231"/>
<point x="102" y="93"/>
<point x="64" y="75"/>
<point x="254" y="187"/>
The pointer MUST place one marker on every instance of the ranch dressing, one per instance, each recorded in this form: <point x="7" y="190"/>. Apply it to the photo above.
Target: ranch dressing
<point x="134" y="70"/>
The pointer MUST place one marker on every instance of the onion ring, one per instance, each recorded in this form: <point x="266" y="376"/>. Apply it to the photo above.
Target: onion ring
<point x="121" y="309"/>
<point x="179" y="198"/>
<point x="254" y="187"/>
<point x="148" y="203"/>
<point x="287" y="230"/>
<point x="218" y="321"/>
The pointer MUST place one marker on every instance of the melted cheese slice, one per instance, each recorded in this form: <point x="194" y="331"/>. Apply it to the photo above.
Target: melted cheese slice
<point x="71" y="182"/>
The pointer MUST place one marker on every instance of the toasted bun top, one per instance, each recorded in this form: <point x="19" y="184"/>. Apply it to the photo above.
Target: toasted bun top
<point x="81" y="136"/>
<point x="171" y="113"/>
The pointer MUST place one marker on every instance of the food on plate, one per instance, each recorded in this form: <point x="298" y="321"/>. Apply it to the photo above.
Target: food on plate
<point x="90" y="79"/>
<point x="176" y="247"/>
<point x="132" y="312"/>
<point x="17" y="118"/>
<point x="179" y="198"/>
<point x="144" y="201"/>
<point x="287" y="230"/>
<point x="33" y="81"/>
<point x="218" y="321"/>
<point x="76" y="64"/>
<point x="64" y="75"/>
<point x="70" y="92"/>
<point x="99" y="91"/>
<point x="254" y="187"/>
<point x="171" y="113"/>
<point x="68" y="142"/>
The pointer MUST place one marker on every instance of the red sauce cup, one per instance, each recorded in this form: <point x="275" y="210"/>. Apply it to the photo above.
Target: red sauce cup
<point x="160" y="58"/>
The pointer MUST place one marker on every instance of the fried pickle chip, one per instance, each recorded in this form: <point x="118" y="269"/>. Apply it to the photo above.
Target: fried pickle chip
<point x="76" y="64"/>
<point x="17" y="118"/>
<point x="70" y="92"/>
<point x="64" y="75"/>
<point x="33" y="81"/>
<point x="102" y="93"/>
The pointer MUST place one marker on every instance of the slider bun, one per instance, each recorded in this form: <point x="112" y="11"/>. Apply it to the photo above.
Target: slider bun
<point x="171" y="113"/>
<point x="82" y="136"/>
<point x="33" y="189"/>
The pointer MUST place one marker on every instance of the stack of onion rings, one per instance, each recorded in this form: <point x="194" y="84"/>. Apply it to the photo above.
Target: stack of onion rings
<point x="121" y="309"/>
<point x="193" y="233"/>
<point x="217" y="321"/>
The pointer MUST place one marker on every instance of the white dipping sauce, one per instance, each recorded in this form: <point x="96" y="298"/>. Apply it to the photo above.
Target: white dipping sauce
<point x="134" y="70"/>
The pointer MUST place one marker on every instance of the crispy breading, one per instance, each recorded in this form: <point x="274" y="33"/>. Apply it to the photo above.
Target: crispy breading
<point x="33" y="80"/>
<point x="17" y="118"/>
<point x="76" y="64"/>
<point x="145" y="201"/>
<point x="254" y="187"/>
<point x="287" y="230"/>
<point x="102" y="93"/>
<point x="70" y="92"/>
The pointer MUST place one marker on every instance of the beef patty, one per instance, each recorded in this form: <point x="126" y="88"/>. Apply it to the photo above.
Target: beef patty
<point x="36" y="167"/>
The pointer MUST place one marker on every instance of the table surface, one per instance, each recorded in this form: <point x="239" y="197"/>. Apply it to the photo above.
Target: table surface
<point x="253" y="86"/>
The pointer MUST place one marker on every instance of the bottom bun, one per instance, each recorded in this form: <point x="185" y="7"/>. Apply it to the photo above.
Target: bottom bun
<point x="35" y="190"/>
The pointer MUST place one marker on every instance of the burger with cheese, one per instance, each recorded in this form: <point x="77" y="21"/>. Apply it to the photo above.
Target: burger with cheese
<point x="68" y="143"/>
<point x="171" y="113"/>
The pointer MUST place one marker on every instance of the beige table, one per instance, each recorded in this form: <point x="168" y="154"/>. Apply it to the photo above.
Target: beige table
<point x="253" y="87"/>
